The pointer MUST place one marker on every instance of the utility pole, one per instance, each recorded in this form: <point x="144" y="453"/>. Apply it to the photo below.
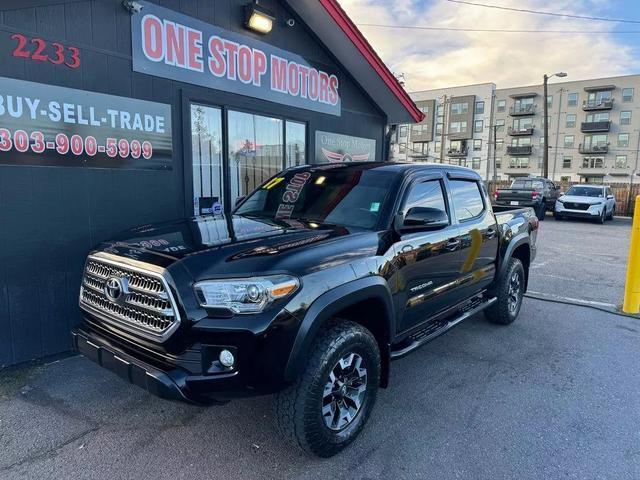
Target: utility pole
<point x="495" y="148"/>
<point x="444" y="126"/>
<point x="555" y="152"/>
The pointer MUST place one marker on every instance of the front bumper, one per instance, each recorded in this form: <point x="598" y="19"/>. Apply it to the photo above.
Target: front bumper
<point x="173" y="384"/>
<point x="594" y="211"/>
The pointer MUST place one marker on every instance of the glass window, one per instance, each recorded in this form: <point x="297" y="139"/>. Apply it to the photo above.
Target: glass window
<point x="458" y="127"/>
<point x="501" y="105"/>
<point x="439" y="110"/>
<point x="542" y="141"/>
<point x="427" y="194"/>
<point x="438" y="128"/>
<point x="566" y="161"/>
<point x="206" y="158"/>
<point x="403" y="131"/>
<point x="627" y="94"/>
<point x="572" y="99"/>
<point x="568" y="141"/>
<point x="519" y="162"/>
<point x="625" y="118"/>
<point x="621" y="161"/>
<point x="598" y="140"/>
<point x="498" y="162"/>
<point x="597" y="117"/>
<point x="623" y="139"/>
<point x="402" y="148"/>
<point x="499" y="143"/>
<point x="478" y="126"/>
<point x="459" y="108"/>
<point x="500" y="123"/>
<point x="479" y="108"/>
<point x="593" y="162"/>
<point x="475" y="163"/>
<point x="522" y="124"/>
<point x="521" y="142"/>
<point x="477" y="144"/>
<point x="571" y="120"/>
<point x="347" y="196"/>
<point x="436" y="146"/>
<point x="467" y="199"/>
<point x="255" y="150"/>
<point x="296" y="143"/>
<point x="549" y="100"/>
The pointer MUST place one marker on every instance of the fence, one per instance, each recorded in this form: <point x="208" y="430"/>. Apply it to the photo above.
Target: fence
<point x="620" y="190"/>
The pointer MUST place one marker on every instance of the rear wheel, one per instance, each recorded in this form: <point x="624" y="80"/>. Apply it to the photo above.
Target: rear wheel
<point x="329" y="404"/>
<point x="510" y="291"/>
<point x="556" y="216"/>
<point x="542" y="210"/>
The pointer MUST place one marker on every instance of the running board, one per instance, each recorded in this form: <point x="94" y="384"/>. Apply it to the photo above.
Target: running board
<point x="418" y="339"/>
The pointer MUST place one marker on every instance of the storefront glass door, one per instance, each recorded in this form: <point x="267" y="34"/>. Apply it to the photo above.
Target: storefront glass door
<point x="256" y="150"/>
<point x="206" y="151"/>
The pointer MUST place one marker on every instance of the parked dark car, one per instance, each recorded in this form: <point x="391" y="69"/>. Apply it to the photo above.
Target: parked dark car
<point x="536" y="192"/>
<point x="320" y="277"/>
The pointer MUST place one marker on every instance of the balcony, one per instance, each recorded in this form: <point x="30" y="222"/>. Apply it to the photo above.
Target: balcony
<point x="589" y="127"/>
<point x="519" y="150"/>
<point x="520" y="132"/>
<point x="524" y="110"/>
<point x="462" y="152"/>
<point x="593" y="149"/>
<point x="594" y="105"/>
<point x="620" y="171"/>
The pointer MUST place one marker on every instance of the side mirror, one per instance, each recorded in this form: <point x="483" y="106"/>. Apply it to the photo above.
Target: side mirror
<point x="240" y="199"/>
<point x="424" y="218"/>
<point x="610" y="197"/>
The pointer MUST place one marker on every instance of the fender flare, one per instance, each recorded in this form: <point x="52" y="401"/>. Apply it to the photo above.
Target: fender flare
<point x="518" y="240"/>
<point x="327" y="305"/>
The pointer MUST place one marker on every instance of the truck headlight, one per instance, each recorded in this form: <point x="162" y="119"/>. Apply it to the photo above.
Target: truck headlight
<point x="245" y="295"/>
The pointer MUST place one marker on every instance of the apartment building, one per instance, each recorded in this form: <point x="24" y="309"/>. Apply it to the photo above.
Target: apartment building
<point x="594" y="130"/>
<point x="455" y="129"/>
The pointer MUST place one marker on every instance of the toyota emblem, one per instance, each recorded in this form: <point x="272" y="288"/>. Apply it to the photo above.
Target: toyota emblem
<point x="113" y="288"/>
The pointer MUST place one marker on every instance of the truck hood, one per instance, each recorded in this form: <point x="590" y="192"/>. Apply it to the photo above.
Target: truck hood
<point x="580" y="199"/>
<point x="221" y="246"/>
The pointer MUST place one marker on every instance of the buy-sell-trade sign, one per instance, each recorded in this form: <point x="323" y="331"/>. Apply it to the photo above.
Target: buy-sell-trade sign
<point x="56" y="126"/>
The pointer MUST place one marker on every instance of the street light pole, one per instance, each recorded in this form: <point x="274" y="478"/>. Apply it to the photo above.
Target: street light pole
<point x="545" y="153"/>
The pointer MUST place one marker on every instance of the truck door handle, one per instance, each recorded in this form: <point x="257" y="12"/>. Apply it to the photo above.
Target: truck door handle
<point x="491" y="232"/>
<point x="452" y="244"/>
<point x="406" y="248"/>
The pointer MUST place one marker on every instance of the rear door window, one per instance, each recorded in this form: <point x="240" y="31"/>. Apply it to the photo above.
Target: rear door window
<point x="467" y="199"/>
<point x="426" y="194"/>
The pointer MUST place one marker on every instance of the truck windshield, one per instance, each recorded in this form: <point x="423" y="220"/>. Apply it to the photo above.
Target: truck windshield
<point x="527" y="184"/>
<point x="585" y="191"/>
<point x="347" y="196"/>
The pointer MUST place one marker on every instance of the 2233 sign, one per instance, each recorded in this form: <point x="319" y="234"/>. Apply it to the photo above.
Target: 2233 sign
<point x="39" y="50"/>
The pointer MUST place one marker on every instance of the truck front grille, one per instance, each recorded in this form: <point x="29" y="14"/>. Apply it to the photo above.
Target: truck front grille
<point x="135" y="299"/>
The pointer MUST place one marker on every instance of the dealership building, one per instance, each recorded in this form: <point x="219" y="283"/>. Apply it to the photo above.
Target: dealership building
<point x="117" y="114"/>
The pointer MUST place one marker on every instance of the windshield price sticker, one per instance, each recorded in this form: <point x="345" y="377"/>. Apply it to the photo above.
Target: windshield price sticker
<point x="49" y="125"/>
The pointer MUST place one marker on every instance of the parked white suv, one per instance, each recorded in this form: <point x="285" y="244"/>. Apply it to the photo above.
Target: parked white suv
<point x="586" y="201"/>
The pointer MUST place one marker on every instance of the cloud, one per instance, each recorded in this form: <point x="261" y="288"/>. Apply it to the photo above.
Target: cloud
<point x="436" y="59"/>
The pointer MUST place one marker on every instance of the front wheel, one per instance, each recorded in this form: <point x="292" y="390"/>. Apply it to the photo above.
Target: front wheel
<point x="510" y="291"/>
<point x="613" y="212"/>
<point x="329" y="404"/>
<point x="603" y="216"/>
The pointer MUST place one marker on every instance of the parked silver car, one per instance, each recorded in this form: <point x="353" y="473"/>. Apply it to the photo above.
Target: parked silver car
<point x="586" y="201"/>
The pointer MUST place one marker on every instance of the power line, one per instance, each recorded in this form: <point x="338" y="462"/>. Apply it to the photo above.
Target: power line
<point x="553" y="14"/>
<point x="492" y="30"/>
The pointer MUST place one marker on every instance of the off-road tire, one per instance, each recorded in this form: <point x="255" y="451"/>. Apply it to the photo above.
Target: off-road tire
<point x="501" y="311"/>
<point x="298" y="409"/>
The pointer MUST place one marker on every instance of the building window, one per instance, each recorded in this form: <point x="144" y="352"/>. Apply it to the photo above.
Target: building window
<point x="571" y="120"/>
<point x="549" y="100"/>
<point x="499" y="123"/>
<point x="521" y="142"/>
<point x="519" y="162"/>
<point x="566" y="161"/>
<point x="568" y="141"/>
<point x="436" y="147"/>
<point x="621" y="161"/>
<point x="542" y="141"/>
<point x="522" y="124"/>
<point x="572" y="100"/>
<point x="479" y="108"/>
<point x="596" y="141"/>
<point x="475" y="163"/>
<point x="627" y="94"/>
<point x="438" y="129"/>
<point x="296" y="134"/>
<point x="501" y="105"/>
<point x="402" y="148"/>
<point x="597" y="117"/>
<point x="625" y="118"/>
<point x="403" y="131"/>
<point x="623" y="139"/>
<point x="477" y="144"/>
<point x="206" y="152"/>
<point x="255" y="150"/>
<point x="593" y="162"/>
<point x="458" y="127"/>
<point x="499" y="143"/>
<point x="459" y="108"/>
<point x="478" y="126"/>
<point x="565" y="179"/>
<point x="439" y="110"/>
<point x="498" y="163"/>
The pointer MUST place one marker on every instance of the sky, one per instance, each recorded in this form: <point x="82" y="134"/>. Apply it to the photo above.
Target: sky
<point x="438" y="59"/>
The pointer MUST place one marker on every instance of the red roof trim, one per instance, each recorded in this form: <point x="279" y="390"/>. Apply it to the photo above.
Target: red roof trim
<point x="348" y="27"/>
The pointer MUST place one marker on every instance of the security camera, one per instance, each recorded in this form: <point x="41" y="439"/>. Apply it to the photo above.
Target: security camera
<point x="291" y="22"/>
<point x="131" y="6"/>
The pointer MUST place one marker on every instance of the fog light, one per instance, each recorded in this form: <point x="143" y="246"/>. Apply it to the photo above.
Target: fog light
<point x="226" y="358"/>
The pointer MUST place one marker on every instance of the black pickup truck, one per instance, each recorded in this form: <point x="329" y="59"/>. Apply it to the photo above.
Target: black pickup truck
<point x="536" y="192"/>
<point x="319" y="278"/>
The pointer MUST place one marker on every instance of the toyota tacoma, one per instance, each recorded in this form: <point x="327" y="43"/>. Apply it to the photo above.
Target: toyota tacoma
<point x="309" y="289"/>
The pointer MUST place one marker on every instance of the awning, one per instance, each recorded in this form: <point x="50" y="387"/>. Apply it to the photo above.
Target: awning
<point x="524" y="95"/>
<point x="599" y="88"/>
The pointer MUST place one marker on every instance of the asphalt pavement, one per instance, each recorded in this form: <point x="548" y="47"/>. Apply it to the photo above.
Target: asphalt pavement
<point x="555" y="395"/>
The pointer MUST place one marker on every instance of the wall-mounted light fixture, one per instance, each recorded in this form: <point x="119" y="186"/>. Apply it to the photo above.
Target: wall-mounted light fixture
<point x="258" y="18"/>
